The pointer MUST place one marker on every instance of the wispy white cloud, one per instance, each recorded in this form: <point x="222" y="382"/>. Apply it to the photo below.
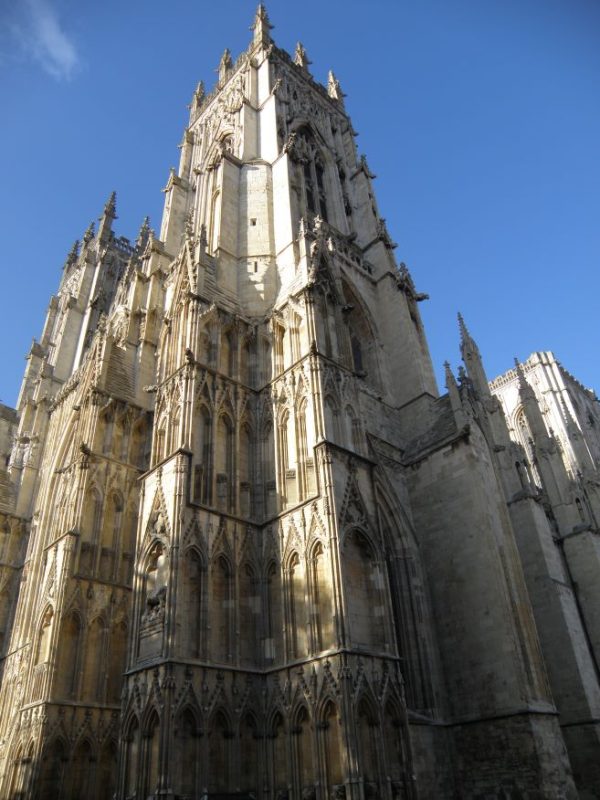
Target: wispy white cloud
<point x="42" y="37"/>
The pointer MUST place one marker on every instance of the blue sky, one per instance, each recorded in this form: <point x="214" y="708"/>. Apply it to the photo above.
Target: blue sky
<point x="481" y="119"/>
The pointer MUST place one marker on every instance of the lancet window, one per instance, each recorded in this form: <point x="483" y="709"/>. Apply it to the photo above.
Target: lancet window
<point x="304" y="755"/>
<point x="249" y="610"/>
<point x="187" y="754"/>
<point x="302" y="448"/>
<point x="43" y="651"/>
<point x="219" y="754"/>
<point x="297" y="607"/>
<point x="224" y="459"/>
<point x="202" y="488"/>
<point x="365" y="597"/>
<point x="246" y="461"/>
<point x="279" y="755"/>
<point x="331" y="745"/>
<point x="273" y="649"/>
<point x="249" y="756"/>
<point x="193" y="603"/>
<point x="94" y="666"/>
<point x="222" y="609"/>
<point x="312" y="172"/>
<point x="132" y="748"/>
<point x="368" y="740"/>
<point x="69" y="656"/>
<point x="152" y="748"/>
<point x="322" y="590"/>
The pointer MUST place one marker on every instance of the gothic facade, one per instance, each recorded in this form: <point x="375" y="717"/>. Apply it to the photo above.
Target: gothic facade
<point x="248" y="549"/>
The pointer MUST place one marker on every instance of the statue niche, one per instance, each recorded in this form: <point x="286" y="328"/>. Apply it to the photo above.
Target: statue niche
<point x="153" y="608"/>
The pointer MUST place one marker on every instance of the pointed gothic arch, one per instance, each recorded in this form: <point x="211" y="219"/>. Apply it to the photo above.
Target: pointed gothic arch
<point x="151" y="752"/>
<point x="187" y="732"/>
<point x="362" y="341"/>
<point x="106" y="774"/>
<point x="193" y="603"/>
<point x="225" y="461"/>
<point x="220" y="734"/>
<point x="70" y="655"/>
<point x="81" y="772"/>
<point x="132" y="744"/>
<point x="296" y="606"/>
<point x="322" y="597"/>
<point x="250" y="761"/>
<point x="221" y="610"/>
<point x="409" y="601"/>
<point x="93" y="675"/>
<point x="364" y="590"/>
<point x="331" y="744"/>
<point x="279" y="753"/>
<point x="303" y="748"/>
<point x="274" y="641"/>
<point x="369" y="742"/>
<point x="53" y="768"/>
<point x="249" y="611"/>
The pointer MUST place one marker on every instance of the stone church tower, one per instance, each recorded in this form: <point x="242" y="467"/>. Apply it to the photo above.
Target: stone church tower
<point x="250" y="551"/>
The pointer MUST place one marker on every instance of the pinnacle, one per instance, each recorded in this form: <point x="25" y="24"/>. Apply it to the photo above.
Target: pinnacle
<point x="143" y="234"/>
<point x="261" y="18"/>
<point x="450" y="379"/>
<point x="464" y="333"/>
<point x="111" y="206"/>
<point x="334" y="90"/>
<point x="73" y="253"/>
<point x="301" y="57"/>
<point x="225" y="64"/>
<point x="523" y="383"/>
<point x="89" y="234"/>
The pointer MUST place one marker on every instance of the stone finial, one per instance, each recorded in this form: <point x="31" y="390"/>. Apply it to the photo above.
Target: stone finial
<point x="261" y="26"/>
<point x="110" y="208"/>
<point x="465" y="336"/>
<point x="300" y="57"/>
<point x="334" y="90"/>
<point x="108" y="215"/>
<point x="143" y="235"/>
<point x="225" y="65"/>
<point x="89" y="234"/>
<point x="197" y="97"/>
<point x="72" y="254"/>
<point x="525" y="388"/>
<point x="449" y="375"/>
<point x="454" y="395"/>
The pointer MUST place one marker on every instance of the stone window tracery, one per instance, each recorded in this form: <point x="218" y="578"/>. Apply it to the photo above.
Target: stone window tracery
<point x="311" y="173"/>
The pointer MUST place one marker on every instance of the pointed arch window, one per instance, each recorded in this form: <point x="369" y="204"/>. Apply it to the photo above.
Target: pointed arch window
<point x="322" y="599"/>
<point x="225" y="449"/>
<point x="312" y="173"/>
<point x="187" y="749"/>
<point x="43" y="652"/>
<point x="365" y="598"/>
<point x="297" y="607"/>
<point x="274" y="616"/>
<point x="203" y="457"/>
<point x="221" y="611"/>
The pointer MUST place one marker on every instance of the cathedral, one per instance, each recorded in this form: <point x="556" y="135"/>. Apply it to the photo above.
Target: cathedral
<point x="247" y="549"/>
